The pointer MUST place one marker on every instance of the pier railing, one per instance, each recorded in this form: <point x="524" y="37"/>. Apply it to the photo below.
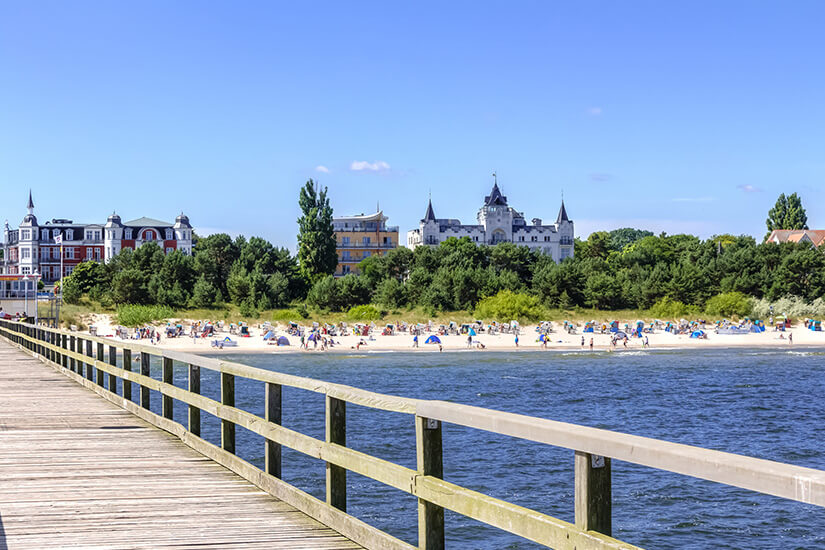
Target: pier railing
<point x="93" y="362"/>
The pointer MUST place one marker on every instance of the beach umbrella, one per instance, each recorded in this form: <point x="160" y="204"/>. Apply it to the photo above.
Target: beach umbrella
<point x="433" y="340"/>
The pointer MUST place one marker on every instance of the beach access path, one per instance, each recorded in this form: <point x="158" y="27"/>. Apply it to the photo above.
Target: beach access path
<point x="78" y="471"/>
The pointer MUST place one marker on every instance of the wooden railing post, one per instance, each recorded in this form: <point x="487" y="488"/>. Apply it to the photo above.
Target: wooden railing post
<point x="113" y="362"/>
<point x="228" y="399"/>
<point x="100" y="373"/>
<point x="145" y="370"/>
<point x="430" y="462"/>
<point x="89" y="374"/>
<point x="195" y="387"/>
<point x="168" y="377"/>
<point x="273" y="414"/>
<point x="593" y="493"/>
<point x="127" y="365"/>
<point x="336" y="432"/>
<point x="64" y="341"/>
<point x="72" y="347"/>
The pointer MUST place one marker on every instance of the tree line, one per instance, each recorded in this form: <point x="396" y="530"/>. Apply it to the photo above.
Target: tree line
<point x="620" y="269"/>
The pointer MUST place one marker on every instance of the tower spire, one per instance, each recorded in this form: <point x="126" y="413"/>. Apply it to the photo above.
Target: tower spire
<point x="30" y="205"/>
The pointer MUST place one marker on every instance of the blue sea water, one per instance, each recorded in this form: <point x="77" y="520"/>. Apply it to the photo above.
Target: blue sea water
<point x="762" y="403"/>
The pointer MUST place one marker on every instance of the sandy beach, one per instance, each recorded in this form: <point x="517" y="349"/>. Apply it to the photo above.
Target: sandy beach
<point x="528" y="340"/>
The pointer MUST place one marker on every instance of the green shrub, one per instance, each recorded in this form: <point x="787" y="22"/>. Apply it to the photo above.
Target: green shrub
<point x="132" y="315"/>
<point x="247" y="308"/>
<point x="364" y="313"/>
<point x="668" y="308"/>
<point x="508" y="305"/>
<point x="729" y="304"/>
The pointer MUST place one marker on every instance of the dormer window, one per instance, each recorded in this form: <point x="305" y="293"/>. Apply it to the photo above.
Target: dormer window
<point x="168" y="234"/>
<point x="128" y="234"/>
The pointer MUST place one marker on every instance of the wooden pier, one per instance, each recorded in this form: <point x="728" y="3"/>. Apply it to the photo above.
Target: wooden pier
<point x="83" y="463"/>
<point x="76" y="470"/>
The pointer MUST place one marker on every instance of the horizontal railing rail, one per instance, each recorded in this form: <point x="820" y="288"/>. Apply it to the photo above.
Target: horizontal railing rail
<point x="594" y="448"/>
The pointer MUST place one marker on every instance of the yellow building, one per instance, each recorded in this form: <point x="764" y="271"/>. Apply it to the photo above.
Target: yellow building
<point x="358" y="237"/>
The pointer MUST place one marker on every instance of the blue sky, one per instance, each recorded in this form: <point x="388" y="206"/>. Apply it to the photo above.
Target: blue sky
<point x="672" y="116"/>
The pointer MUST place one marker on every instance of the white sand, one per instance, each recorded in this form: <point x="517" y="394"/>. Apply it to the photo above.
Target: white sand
<point x="528" y="340"/>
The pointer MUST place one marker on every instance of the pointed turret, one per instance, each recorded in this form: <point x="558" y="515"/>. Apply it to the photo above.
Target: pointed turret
<point x="562" y="214"/>
<point x="495" y="197"/>
<point x="430" y="215"/>
<point x="30" y="205"/>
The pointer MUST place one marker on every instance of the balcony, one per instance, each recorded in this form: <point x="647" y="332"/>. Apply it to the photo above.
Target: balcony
<point x="389" y="229"/>
<point x="382" y="246"/>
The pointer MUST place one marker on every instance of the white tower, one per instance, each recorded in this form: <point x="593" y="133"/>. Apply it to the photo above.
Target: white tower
<point x="183" y="234"/>
<point x="28" y="248"/>
<point x="112" y="237"/>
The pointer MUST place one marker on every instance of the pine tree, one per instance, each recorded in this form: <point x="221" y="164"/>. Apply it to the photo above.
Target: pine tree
<point x="787" y="213"/>
<point x="316" y="240"/>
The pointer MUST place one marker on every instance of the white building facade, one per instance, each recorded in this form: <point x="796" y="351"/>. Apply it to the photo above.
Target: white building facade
<point x="498" y="222"/>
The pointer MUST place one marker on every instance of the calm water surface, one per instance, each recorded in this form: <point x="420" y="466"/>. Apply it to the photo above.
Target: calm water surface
<point x="764" y="403"/>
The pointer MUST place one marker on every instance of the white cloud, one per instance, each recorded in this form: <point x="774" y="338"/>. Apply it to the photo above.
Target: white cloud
<point x="601" y="177"/>
<point x="594" y="111"/>
<point x="321" y="168"/>
<point x="749" y="188"/>
<point x="364" y="166"/>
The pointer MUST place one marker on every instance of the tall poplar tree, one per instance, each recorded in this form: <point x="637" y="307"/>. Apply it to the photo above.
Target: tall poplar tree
<point x="316" y="239"/>
<point x="787" y="213"/>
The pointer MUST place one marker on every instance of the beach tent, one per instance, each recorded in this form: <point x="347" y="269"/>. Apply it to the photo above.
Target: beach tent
<point x="472" y="332"/>
<point x="697" y="334"/>
<point x="621" y="335"/>
<point x="269" y="335"/>
<point x="433" y="340"/>
<point x="283" y="341"/>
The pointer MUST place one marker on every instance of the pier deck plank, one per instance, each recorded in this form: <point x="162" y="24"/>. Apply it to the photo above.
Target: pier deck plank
<point x="77" y="471"/>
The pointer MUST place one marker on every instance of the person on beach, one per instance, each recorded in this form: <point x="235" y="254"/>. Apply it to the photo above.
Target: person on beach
<point x="646" y="344"/>
<point x="440" y="348"/>
<point x="790" y="338"/>
<point x="415" y="341"/>
<point x="516" y="340"/>
<point x="470" y="341"/>
<point x="591" y="344"/>
<point x="582" y="342"/>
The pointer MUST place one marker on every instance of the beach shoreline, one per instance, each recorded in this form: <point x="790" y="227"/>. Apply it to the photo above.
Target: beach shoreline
<point x="528" y="341"/>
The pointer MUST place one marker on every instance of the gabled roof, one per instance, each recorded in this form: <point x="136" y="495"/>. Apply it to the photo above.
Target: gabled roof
<point x="495" y="197"/>
<point x="147" y="222"/>
<point x="815" y="236"/>
<point x="562" y="217"/>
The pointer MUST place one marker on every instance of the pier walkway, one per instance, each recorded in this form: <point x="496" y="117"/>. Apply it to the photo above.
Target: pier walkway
<point x="79" y="471"/>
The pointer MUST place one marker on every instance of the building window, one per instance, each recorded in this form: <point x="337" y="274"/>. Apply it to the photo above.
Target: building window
<point x="345" y="269"/>
<point x="70" y="253"/>
<point x="169" y="250"/>
<point x="365" y="240"/>
<point x="69" y="269"/>
<point x="25" y="253"/>
<point x="89" y="253"/>
<point x="168" y="234"/>
<point x="345" y="255"/>
<point x="345" y="241"/>
<point x="97" y="253"/>
<point x="128" y="234"/>
<point x="534" y="238"/>
<point x="26" y="234"/>
<point x="26" y="270"/>
<point x="97" y="235"/>
<point x="366" y="253"/>
<point x="44" y="235"/>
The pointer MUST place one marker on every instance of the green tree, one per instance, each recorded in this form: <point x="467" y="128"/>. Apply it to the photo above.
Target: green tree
<point x="620" y="238"/>
<point x="204" y="293"/>
<point x="130" y="286"/>
<point x="787" y="213"/>
<point x="316" y="240"/>
<point x="214" y="256"/>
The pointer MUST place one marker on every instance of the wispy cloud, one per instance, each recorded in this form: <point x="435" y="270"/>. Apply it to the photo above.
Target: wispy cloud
<point x="364" y="166"/>
<point x="747" y="188"/>
<point x="594" y="111"/>
<point x="321" y="168"/>
<point x="601" y="177"/>
<point x="693" y="199"/>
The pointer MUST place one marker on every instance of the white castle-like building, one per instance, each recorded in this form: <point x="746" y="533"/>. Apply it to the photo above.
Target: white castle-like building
<point x="498" y="222"/>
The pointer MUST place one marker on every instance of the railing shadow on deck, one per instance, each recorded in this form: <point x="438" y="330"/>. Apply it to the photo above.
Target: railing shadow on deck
<point x="93" y="362"/>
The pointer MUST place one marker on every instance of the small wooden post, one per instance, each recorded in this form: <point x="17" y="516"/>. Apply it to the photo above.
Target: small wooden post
<point x="228" y="399"/>
<point x="273" y="414"/>
<point x="593" y="493"/>
<point x="145" y="370"/>
<point x="89" y="353"/>
<point x="168" y="377"/>
<point x="73" y="348"/>
<point x="113" y="362"/>
<point x="100" y="374"/>
<point x="430" y="462"/>
<point x="336" y="432"/>
<point x="195" y="387"/>
<point x="127" y="365"/>
<point x="64" y="341"/>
